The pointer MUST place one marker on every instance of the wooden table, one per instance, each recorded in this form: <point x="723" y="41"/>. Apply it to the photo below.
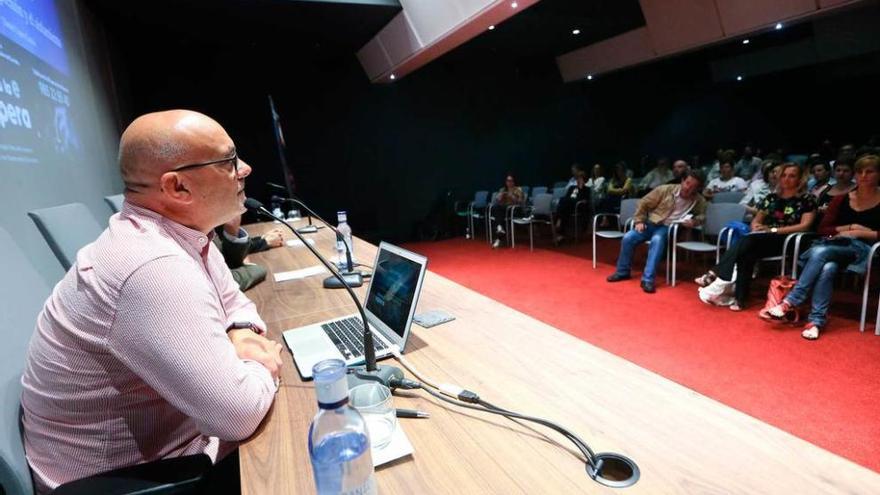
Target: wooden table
<point x="682" y="441"/>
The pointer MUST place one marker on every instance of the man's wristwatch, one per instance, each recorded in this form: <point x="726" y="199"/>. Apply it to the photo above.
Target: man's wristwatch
<point x="773" y="230"/>
<point x="242" y="325"/>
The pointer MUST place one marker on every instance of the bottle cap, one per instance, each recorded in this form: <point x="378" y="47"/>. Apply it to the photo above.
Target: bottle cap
<point x="341" y="216"/>
<point x="331" y="386"/>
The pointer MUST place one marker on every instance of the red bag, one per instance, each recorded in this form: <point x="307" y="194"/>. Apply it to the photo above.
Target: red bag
<point x="779" y="288"/>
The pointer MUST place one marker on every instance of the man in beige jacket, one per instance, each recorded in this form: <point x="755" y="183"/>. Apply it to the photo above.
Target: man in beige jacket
<point x="657" y="211"/>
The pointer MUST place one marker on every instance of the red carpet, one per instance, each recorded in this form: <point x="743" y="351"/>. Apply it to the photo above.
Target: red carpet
<point x="826" y="391"/>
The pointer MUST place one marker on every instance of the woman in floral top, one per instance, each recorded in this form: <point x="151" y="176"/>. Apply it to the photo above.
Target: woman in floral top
<point x="781" y="213"/>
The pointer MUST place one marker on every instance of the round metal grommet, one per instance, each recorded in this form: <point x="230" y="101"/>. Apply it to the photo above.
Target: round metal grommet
<point x="613" y="470"/>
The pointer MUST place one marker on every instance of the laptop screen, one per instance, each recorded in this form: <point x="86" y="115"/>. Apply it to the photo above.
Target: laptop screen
<point x="392" y="289"/>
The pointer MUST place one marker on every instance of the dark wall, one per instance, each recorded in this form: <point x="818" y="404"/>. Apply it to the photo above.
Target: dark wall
<point x="387" y="153"/>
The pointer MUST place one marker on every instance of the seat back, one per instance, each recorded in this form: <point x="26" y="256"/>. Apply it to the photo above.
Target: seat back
<point x="18" y="312"/>
<point x="525" y="190"/>
<point x="561" y="183"/>
<point x="494" y="199"/>
<point x="66" y="228"/>
<point x="115" y="202"/>
<point x="720" y="214"/>
<point x="538" y="190"/>
<point x="480" y="199"/>
<point x="559" y="192"/>
<point x="728" y="197"/>
<point x="543" y="204"/>
<point x="628" y="209"/>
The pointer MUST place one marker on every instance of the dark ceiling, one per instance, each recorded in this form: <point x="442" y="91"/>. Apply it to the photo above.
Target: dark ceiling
<point x="332" y="30"/>
<point x="319" y="28"/>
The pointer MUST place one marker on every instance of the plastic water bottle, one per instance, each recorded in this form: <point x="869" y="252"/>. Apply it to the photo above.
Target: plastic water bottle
<point x="276" y="210"/>
<point x="343" y="237"/>
<point x="339" y="445"/>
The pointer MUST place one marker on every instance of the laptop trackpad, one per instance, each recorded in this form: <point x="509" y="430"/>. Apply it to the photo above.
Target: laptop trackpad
<point x="310" y="346"/>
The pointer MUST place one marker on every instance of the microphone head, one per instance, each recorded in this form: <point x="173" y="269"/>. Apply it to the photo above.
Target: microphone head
<point x="252" y="204"/>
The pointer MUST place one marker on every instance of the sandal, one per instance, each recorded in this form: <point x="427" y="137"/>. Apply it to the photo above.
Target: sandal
<point x="736" y="306"/>
<point x="811" y="332"/>
<point x="780" y="310"/>
<point x="705" y="279"/>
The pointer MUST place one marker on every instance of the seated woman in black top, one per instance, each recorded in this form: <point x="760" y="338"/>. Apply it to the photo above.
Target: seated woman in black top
<point x="573" y="195"/>
<point x="852" y="223"/>
<point x="843" y="174"/>
<point x="781" y="213"/>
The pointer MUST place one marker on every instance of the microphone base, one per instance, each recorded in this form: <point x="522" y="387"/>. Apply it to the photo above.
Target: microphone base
<point x="353" y="279"/>
<point x="308" y="229"/>
<point x="358" y="375"/>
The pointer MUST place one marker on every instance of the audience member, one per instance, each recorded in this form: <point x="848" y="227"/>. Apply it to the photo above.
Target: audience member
<point x="679" y="171"/>
<point x="821" y="176"/>
<point x="235" y="244"/>
<point x="567" y="204"/>
<point x="779" y="214"/>
<point x="657" y="176"/>
<point x="852" y="224"/>
<point x="713" y="171"/>
<point x="761" y="187"/>
<point x="147" y="349"/>
<point x="660" y="208"/>
<point x="509" y="195"/>
<point x="749" y="166"/>
<point x="597" y="185"/>
<point x="620" y="186"/>
<point x="726" y="183"/>
<point x="843" y="174"/>
<point x="576" y="169"/>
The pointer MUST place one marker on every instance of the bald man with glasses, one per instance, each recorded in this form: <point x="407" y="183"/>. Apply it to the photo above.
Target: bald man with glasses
<point x="147" y="349"/>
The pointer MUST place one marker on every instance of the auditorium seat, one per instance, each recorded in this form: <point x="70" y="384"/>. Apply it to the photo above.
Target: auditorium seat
<point x="66" y="228"/>
<point x="115" y="202"/>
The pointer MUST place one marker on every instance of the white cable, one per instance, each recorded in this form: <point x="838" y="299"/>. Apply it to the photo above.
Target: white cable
<point x="395" y="351"/>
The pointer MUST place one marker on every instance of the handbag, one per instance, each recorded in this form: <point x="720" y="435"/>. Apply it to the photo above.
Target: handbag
<point x="780" y="287"/>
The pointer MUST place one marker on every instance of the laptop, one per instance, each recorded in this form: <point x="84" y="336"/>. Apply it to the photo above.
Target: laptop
<point x="390" y="304"/>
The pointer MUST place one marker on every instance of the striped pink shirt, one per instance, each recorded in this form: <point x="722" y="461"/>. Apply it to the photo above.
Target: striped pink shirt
<point x="130" y="361"/>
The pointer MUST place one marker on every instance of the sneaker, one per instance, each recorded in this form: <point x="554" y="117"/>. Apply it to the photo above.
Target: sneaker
<point x="648" y="287"/>
<point x="617" y="277"/>
<point x="705" y="279"/>
<point x="811" y="331"/>
<point x="496" y="244"/>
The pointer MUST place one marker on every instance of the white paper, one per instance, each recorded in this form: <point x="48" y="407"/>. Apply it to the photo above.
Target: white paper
<point x="298" y="243"/>
<point x="298" y="274"/>
<point x="398" y="447"/>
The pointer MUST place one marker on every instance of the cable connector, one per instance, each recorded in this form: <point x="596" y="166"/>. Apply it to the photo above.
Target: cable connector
<point x="459" y="393"/>
<point x="403" y="383"/>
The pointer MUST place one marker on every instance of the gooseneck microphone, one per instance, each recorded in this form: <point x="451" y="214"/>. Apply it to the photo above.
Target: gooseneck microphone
<point x="357" y="375"/>
<point x="308" y="229"/>
<point x="352" y="277"/>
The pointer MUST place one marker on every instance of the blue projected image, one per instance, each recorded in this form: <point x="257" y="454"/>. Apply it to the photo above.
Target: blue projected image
<point x="34" y="25"/>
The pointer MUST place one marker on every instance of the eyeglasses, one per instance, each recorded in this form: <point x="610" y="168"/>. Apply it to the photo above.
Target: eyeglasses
<point x="233" y="159"/>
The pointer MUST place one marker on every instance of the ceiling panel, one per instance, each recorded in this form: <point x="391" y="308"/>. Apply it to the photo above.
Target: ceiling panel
<point x="675" y="25"/>
<point x="743" y="16"/>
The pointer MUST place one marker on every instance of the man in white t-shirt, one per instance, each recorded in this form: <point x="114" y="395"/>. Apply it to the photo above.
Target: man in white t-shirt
<point x="726" y="183"/>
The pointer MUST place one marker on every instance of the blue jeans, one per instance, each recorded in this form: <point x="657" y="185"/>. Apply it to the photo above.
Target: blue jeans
<point x="653" y="232"/>
<point x="823" y="264"/>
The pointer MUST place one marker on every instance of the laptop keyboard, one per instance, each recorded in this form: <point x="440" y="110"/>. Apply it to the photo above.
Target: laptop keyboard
<point x="348" y="336"/>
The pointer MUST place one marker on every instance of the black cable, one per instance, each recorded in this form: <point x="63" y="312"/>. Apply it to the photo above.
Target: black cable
<point x="571" y="436"/>
<point x="486" y="407"/>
